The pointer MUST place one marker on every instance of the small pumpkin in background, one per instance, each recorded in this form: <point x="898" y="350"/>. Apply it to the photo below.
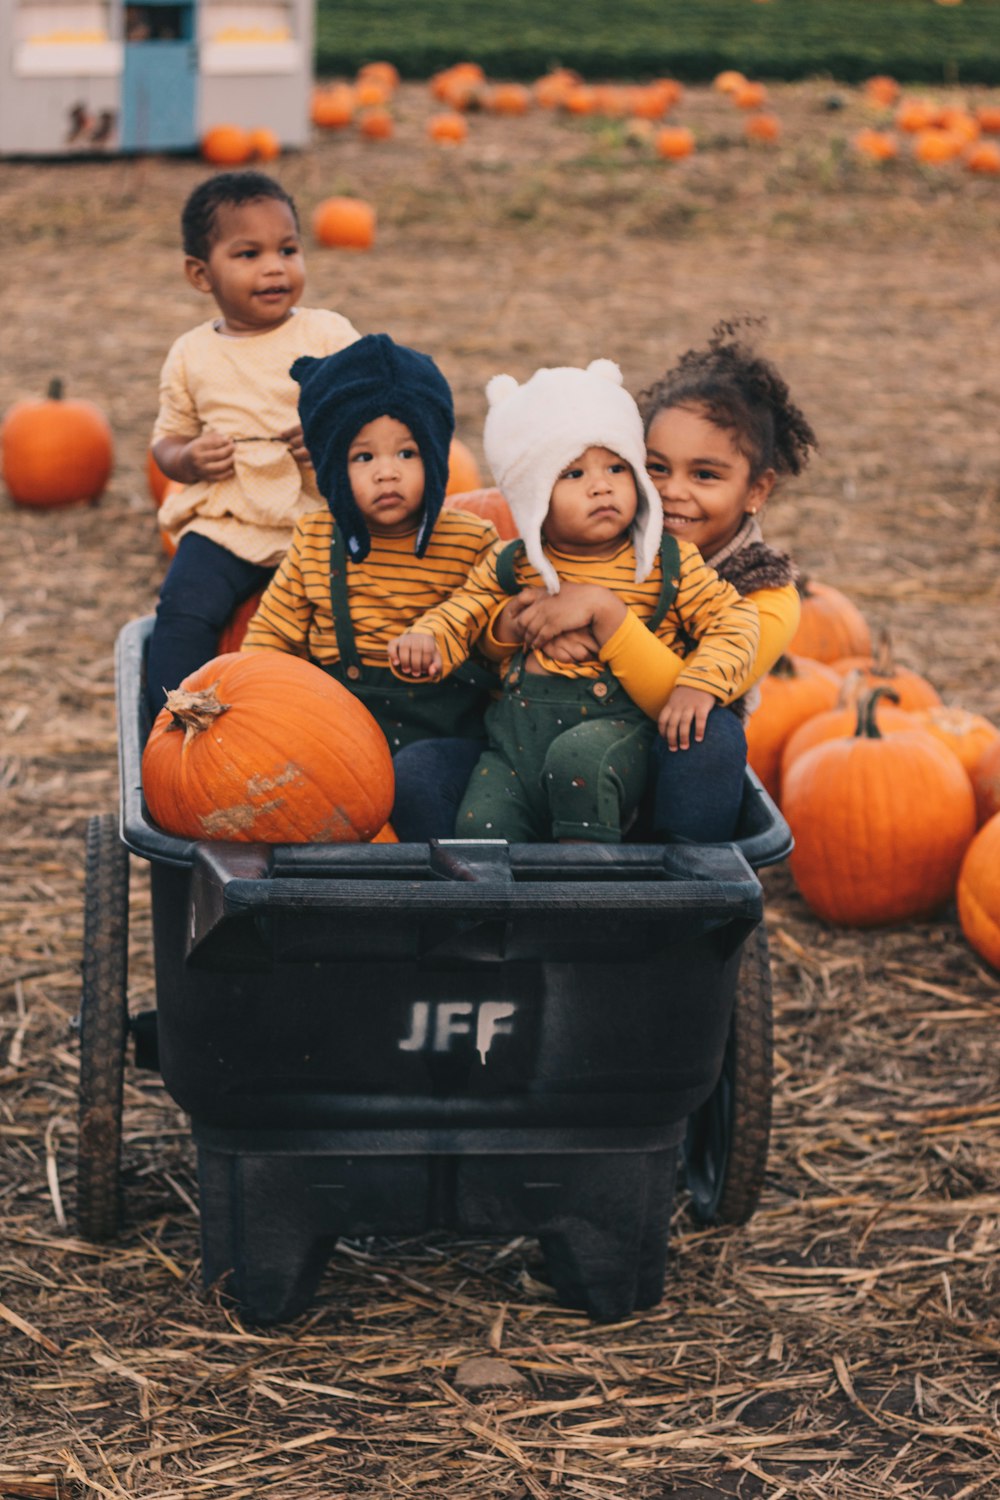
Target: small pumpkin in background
<point x="447" y="128"/>
<point x="156" y="479"/>
<point x="978" y="892"/>
<point x="489" y="505"/>
<point x="763" y="127"/>
<point x="967" y="735"/>
<point x="344" y="223"/>
<point x="912" y="690"/>
<point x="551" y="89"/>
<point x="263" y="747"/>
<point x="830" y="625"/>
<point x="385" y="73"/>
<point x="985" y="776"/>
<point x="877" y="145"/>
<point x="55" y="451"/>
<point x="796" y="688"/>
<point x="463" y="471"/>
<point x="376" y="124"/>
<point x="509" y="99"/>
<point x="881" y="90"/>
<point x="728" y="81"/>
<point x="881" y="824"/>
<point x="227" y="145"/>
<point x="264" y="144"/>
<point x="333" y="107"/>
<point x="674" y="142"/>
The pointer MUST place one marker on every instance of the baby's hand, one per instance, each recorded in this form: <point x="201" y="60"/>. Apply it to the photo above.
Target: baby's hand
<point x="415" y="655"/>
<point x="577" y="606"/>
<point x="686" y="708"/>
<point x="296" y="444"/>
<point x="209" y="456"/>
<point x="508" y="625"/>
<point x="573" y="646"/>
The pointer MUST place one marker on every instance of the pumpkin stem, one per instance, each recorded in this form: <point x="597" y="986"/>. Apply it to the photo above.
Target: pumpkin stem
<point x="784" y="667"/>
<point x="882" y="662"/>
<point x="867" y="728"/>
<point x="194" y="712"/>
<point x="850" y="688"/>
<point x="56" y="389"/>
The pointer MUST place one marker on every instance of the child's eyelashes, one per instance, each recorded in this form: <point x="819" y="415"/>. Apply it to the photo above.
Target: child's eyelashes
<point x="365" y="455"/>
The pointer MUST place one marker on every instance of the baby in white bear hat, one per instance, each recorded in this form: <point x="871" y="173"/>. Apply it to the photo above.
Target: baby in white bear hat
<point x="568" y="747"/>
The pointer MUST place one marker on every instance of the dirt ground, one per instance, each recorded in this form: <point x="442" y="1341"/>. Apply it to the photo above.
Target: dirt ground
<point x="843" y="1344"/>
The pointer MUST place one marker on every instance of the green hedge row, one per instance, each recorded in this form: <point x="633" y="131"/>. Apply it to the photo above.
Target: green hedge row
<point x="914" y="40"/>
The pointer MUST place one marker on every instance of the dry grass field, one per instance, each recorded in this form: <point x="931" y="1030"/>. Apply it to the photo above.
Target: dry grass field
<point x="843" y="1346"/>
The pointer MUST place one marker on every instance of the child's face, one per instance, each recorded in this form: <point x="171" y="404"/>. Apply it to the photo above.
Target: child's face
<point x="387" y="476"/>
<point x="593" y="504"/>
<point x="255" y="268"/>
<point x="702" y="478"/>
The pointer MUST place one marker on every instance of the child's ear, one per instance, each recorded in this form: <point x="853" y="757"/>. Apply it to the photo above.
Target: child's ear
<point x="196" y="272"/>
<point x="760" y="492"/>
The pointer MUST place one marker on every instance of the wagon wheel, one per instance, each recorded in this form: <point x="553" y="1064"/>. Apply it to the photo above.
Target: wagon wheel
<point x="725" y="1151"/>
<point x="103" y="1029"/>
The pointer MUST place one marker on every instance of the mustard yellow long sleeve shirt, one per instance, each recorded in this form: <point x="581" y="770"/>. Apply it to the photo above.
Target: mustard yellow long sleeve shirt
<point x="725" y="626"/>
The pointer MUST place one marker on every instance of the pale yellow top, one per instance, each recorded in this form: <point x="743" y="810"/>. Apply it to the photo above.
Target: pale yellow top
<point x="241" y="387"/>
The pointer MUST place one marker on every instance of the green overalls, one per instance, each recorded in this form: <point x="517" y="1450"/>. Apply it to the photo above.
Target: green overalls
<point x="568" y="757"/>
<point x="404" y="711"/>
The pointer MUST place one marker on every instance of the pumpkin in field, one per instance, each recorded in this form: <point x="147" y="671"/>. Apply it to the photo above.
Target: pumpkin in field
<point x="674" y="142"/>
<point x="385" y="73"/>
<point x="264" y="144"/>
<point x="763" y="127"/>
<point x="985" y="776"/>
<point x="967" y="735"/>
<point x="333" y="107"/>
<point x="376" y="124"/>
<point x="749" y="95"/>
<point x="881" y="90"/>
<point x="371" y="94"/>
<point x="55" y="451"/>
<point x="448" y="128"/>
<point x="344" y="223"/>
<point x="912" y="690"/>
<point x="880" y="824"/>
<point x="877" y="145"/>
<point x="914" y="115"/>
<point x="489" y="505"/>
<point x="983" y="157"/>
<point x="728" y="81"/>
<point x="552" y="89"/>
<point x="830" y="625"/>
<point x="509" y="99"/>
<point x="226" y="145"/>
<point x="264" y="747"/>
<point x="463" y="471"/>
<point x="978" y="892"/>
<point x="156" y="479"/>
<point x="988" y="118"/>
<point x="840" y="723"/>
<point x="934" y="146"/>
<point x="796" y="688"/>
<point x="235" y="628"/>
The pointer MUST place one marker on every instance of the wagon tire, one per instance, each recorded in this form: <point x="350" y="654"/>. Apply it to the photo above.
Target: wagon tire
<point x="725" y="1149"/>
<point x="103" y="1031"/>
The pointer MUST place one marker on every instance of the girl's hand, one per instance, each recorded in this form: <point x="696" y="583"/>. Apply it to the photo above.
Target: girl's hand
<point x="296" y="445"/>
<point x="687" y="708"/>
<point x="415" y="655"/>
<point x="577" y="606"/>
<point x="209" y="456"/>
<point x="507" y="626"/>
<point x="573" y="646"/>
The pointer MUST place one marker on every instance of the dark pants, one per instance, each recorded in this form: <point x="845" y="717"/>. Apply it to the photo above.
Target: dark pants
<point x="203" y="586"/>
<point x="696" y="793"/>
<point x="431" y="777"/>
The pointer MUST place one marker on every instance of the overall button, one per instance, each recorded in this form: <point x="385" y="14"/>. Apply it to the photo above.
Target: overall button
<point x="354" y="673"/>
<point x="600" y="690"/>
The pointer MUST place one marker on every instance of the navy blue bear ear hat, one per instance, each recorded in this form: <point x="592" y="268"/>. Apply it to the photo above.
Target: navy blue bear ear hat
<point x="374" y="377"/>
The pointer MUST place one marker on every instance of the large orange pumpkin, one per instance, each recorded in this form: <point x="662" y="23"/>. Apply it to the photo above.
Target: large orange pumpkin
<point x="796" y="688"/>
<point x="880" y="825"/>
<point x="978" y="892"/>
<point x="344" y="223"/>
<point x="55" y="451"/>
<point x="840" y="723"/>
<point x="489" y="505"/>
<point x="986" y="783"/>
<point x="262" y="747"/>
<point x="463" y="471"/>
<point x="830" y="625"/>
<point x="912" y="690"/>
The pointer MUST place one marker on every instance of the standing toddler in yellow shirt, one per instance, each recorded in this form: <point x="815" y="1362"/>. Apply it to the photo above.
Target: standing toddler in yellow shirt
<point x="227" y="427"/>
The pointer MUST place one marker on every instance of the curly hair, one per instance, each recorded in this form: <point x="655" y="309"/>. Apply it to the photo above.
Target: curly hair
<point x="198" y="216"/>
<point x="740" y="391"/>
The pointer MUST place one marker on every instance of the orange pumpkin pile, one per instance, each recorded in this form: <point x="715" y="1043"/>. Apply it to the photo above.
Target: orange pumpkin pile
<point x="266" y="748"/>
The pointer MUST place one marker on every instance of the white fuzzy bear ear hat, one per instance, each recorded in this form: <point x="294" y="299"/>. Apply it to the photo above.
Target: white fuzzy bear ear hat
<point x="534" y="430"/>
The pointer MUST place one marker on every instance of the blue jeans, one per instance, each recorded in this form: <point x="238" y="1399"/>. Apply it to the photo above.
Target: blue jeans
<point x="431" y="777"/>
<point x="697" y="793"/>
<point x="203" y="586"/>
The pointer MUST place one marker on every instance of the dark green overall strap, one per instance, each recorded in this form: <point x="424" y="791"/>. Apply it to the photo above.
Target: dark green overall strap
<point x="670" y="562"/>
<point x="343" y="625"/>
<point x="506" y="577"/>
